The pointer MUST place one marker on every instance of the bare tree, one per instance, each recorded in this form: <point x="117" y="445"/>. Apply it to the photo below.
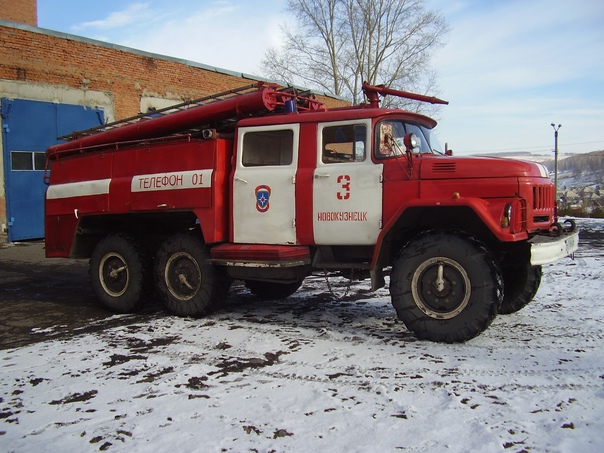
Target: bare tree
<point x="338" y="44"/>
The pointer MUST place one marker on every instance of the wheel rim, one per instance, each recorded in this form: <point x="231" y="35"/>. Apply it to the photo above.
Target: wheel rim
<point x="183" y="276"/>
<point x="441" y="288"/>
<point x="114" y="274"/>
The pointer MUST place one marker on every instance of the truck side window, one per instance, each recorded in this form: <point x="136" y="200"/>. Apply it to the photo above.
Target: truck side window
<point x="268" y="148"/>
<point x="390" y="136"/>
<point x="386" y="140"/>
<point x="344" y="143"/>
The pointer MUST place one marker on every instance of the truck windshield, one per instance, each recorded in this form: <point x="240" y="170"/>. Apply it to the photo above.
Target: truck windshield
<point x="391" y="134"/>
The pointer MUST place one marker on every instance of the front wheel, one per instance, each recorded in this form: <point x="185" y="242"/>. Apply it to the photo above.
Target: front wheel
<point x="187" y="283"/>
<point x="521" y="283"/>
<point x="446" y="287"/>
<point x="119" y="273"/>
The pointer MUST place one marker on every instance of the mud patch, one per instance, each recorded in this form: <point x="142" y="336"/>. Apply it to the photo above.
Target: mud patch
<point x="196" y="383"/>
<point x="76" y="398"/>
<point x="118" y="359"/>
<point x="238" y="365"/>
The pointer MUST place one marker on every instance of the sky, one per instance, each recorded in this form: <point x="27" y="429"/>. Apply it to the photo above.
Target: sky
<point x="509" y="68"/>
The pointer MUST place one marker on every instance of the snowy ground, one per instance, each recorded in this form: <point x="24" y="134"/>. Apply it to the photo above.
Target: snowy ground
<point x="315" y="374"/>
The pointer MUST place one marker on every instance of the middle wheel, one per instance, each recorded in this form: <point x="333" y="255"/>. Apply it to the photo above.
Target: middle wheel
<point x="187" y="283"/>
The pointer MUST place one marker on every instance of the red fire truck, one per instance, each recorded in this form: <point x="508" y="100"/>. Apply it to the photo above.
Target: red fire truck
<point x="264" y="184"/>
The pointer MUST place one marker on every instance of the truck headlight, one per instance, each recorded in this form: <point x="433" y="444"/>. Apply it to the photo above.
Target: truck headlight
<point x="506" y="218"/>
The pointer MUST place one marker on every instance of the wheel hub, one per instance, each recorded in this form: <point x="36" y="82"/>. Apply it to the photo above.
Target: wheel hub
<point x="441" y="288"/>
<point x="183" y="276"/>
<point x="113" y="274"/>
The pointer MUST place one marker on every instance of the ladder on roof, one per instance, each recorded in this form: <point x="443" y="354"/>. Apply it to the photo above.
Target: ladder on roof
<point x="223" y="95"/>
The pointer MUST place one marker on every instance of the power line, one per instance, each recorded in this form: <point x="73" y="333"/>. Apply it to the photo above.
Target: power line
<point x="539" y="148"/>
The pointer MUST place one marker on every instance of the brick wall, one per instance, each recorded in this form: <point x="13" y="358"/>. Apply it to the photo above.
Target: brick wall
<point x="38" y="57"/>
<point x="21" y="11"/>
<point x="41" y="58"/>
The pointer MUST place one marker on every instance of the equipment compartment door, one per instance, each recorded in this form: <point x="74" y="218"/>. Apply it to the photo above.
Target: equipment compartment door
<point x="347" y="189"/>
<point x="264" y="185"/>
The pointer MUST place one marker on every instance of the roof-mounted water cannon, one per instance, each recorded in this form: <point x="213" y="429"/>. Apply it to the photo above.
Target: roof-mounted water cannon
<point x="372" y="92"/>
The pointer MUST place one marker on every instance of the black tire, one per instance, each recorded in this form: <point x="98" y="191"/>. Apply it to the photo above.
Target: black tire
<point x="469" y="292"/>
<point x="188" y="285"/>
<point x="521" y="283"/>
<point x="272" y="290"/>
<point x="120" y="274"/>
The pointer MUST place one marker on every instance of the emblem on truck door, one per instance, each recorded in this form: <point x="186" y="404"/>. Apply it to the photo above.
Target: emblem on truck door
<point x="263" y="194"/>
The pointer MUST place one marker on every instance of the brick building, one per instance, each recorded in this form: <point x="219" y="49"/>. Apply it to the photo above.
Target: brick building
<point x="53" y="83"/>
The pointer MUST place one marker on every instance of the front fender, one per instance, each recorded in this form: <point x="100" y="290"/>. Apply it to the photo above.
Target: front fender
<point x="451" y="213"/>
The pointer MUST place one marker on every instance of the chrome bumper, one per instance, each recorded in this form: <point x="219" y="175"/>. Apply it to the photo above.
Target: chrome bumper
<point x="547" y="249"/>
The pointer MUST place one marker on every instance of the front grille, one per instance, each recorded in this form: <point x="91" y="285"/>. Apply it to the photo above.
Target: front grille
<point x="543" y="204"/>
<point x="543" y="197"/>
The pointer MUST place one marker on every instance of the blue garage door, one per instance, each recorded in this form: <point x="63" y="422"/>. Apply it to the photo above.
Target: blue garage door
<point x="28" y="128"/>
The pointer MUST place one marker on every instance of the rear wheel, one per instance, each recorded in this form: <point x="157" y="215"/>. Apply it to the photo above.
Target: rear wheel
<point x="446" y="287"/>
<point x="187" y="283"/>
<point x="272" y="290"/>
<point x="521" y="283"/>
<point x="119" y="273"/>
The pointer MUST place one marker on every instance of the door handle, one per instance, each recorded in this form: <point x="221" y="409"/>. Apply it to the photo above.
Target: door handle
<point x="322" y="175"/>
<point x="237" y="178"/>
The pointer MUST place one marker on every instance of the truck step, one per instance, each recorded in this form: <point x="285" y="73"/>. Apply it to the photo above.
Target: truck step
<point x="242" y="254"/>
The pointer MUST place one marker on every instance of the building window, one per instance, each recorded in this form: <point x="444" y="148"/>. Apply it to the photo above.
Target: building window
<point x="27" y="161"/>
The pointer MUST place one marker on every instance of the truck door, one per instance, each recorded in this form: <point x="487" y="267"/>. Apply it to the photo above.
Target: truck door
<point x="264" y="185"/>
<point x="347" y="189"/>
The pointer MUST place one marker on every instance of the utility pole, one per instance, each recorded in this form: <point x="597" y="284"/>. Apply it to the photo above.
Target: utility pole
<point x="556" y="128"/>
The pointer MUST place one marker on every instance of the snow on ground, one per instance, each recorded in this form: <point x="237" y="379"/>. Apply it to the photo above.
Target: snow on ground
<point x="317" y="374"/>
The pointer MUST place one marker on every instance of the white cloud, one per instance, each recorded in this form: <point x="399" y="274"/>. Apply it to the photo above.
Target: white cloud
<point x="229" y="35"/>
<point x="512" y="68"/>
<point x="520" y="45"/>
<point x="133" y="13"/>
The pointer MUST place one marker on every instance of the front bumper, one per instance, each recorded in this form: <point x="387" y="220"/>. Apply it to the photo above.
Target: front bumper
<point x="547" y="249"/>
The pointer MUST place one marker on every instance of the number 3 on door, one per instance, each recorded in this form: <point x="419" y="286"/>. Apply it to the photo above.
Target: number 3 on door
<point x="344" y="181"/>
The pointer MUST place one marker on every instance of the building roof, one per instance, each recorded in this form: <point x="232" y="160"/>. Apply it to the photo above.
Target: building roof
<point x="143" y="53"/>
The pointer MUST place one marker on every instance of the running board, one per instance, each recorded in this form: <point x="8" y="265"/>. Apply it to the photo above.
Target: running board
<point x="260" y="255"/>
